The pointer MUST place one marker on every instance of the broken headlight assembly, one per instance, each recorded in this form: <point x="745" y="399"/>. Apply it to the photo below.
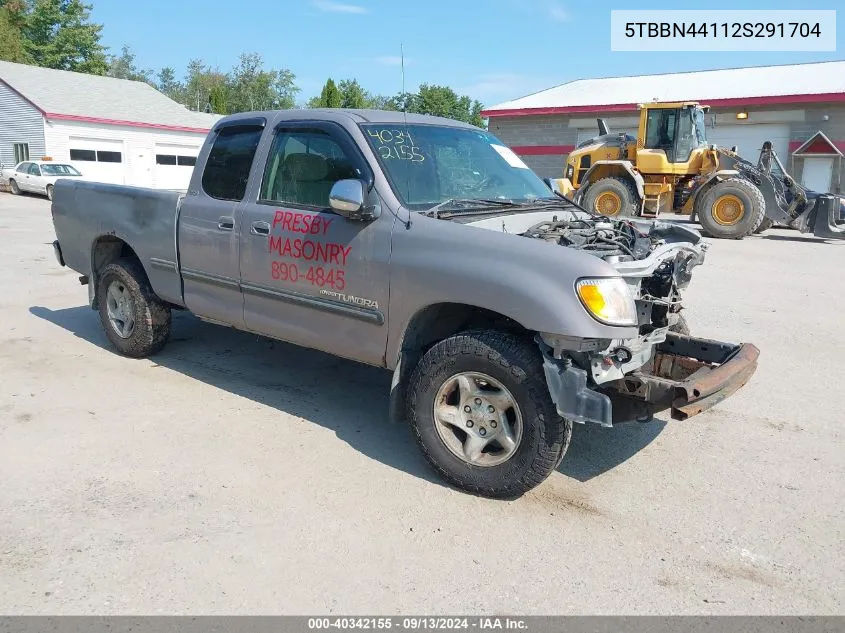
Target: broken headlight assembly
<point x="608" y="300"/>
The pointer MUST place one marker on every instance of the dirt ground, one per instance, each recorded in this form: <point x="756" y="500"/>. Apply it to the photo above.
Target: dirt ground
<point x="231" y="474"/>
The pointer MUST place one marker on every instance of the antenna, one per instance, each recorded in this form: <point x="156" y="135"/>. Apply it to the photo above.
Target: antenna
<point x="405" y="116"/>
<point x="402" y="61"/>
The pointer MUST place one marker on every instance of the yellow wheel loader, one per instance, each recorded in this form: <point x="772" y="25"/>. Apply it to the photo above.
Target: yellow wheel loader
<point x="670" y="166"/>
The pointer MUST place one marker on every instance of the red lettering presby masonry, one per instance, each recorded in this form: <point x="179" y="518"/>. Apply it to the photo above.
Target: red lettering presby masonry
<point x="309" y="250"/>
<point x="301" y="222"/>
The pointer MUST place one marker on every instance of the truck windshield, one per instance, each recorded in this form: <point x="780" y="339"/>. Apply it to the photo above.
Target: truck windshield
<point x="431" y="164"/>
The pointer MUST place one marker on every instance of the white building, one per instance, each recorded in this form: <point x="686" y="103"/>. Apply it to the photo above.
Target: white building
<point x="112" y="130"/>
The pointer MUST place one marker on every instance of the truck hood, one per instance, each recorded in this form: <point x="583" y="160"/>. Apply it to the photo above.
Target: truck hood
<point x="628" y="244"/>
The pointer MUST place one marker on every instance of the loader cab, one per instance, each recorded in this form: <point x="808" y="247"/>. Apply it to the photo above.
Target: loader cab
<point x="668" y="137"/>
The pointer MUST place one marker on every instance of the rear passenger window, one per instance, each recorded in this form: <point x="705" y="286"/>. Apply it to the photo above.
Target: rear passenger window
<point x="227" y="169"/>
<point x="302" y="167"/>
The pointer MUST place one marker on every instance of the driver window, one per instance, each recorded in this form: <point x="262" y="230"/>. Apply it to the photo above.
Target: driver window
<point x="660" y="131"/>
<point x="302" y="167"/>
<point x="34" y="170"/>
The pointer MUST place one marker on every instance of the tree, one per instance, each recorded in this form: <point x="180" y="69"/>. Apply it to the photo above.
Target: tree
<point x="253" y="88"/>
<point x="123" y="67"/>
<point x="11" y="39"/>
<point x="169" y="85"/>
<point x="60" y="34"/>
<point x="200" y="82"/>
<point x="352" y="95"/>
<point x="330" y="96"/>
<point x="442" y="101"/>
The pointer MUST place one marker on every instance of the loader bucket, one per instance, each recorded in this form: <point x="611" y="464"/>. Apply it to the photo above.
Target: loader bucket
<point x="827" y="212"/>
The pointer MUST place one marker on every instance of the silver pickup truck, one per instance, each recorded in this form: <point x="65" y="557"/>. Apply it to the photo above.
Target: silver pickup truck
<point x="421" y="245"/>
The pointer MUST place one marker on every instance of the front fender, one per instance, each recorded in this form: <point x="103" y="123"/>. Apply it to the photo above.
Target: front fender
<point x="529" y="281"/>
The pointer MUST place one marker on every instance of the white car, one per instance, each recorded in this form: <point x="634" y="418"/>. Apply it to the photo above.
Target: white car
<point x="39" y="176"/>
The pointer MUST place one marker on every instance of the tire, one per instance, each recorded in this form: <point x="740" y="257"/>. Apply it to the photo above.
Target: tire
<point x="151" y="318"/>
<point x="765" y="225"/>
<point x="49" y="192"/>
<point x="617" y="193"/>
<point x="719" y="222"/>
<point x="516" y="365"/>
<point x="13" y="186"/>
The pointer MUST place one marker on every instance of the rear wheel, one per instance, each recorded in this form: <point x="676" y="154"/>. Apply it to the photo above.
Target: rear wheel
<point x="612" y="197"/>
<point x="135" y="320"/>
<point x="49" y="192"/>
<point x="731" y="209"/>
<point x="14" y="187"/>
<point x="481" y="412"/>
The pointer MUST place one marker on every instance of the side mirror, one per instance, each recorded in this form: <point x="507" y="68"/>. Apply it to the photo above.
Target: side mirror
<point x="347" y="199"/>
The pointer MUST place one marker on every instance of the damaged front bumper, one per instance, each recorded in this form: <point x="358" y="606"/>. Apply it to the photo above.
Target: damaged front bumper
<point x="686" y="374"/>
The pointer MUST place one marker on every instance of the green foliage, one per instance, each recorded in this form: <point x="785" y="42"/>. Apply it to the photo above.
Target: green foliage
<point x="248" y="86"/>
<point x="169" y="85"/>
<point x="11" y="39"/>
<point x="330" y="96"/>
<point x="353" y="95"/>
<point x="349" y="94"/>
<point x="441" y="101"/>
<point x="123" y="67"/>
<point x="429" y="99"/>
<point x="59" y="34"/>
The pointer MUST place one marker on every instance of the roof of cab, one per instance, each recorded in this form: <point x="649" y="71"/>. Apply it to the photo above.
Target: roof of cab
<point x="341" y="114"/>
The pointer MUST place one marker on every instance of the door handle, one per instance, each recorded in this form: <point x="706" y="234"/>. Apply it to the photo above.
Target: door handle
<point x="226" y="223"/>
<point x="260" y="228"/>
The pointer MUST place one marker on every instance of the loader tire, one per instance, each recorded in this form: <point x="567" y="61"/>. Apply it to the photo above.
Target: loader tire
<point x="765" y="225"/>
<point x="480" y="410"/>
<point x="136" y="321"/>
<point x="613" y="197"/>
<point x="731" y="209"/>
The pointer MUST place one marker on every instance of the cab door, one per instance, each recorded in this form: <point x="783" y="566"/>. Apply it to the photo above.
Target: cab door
<point x="309" y="275"/>
<point x="209" y="223"/>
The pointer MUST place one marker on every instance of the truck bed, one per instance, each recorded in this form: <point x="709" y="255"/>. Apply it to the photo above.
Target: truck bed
<point x="86" y="212"/>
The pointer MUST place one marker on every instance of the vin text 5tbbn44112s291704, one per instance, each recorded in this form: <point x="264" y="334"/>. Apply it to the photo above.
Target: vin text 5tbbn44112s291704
<point x="422" y="245"/>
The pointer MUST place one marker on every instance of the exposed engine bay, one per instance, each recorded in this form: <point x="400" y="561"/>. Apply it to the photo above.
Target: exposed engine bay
<point x="655" y="258"/>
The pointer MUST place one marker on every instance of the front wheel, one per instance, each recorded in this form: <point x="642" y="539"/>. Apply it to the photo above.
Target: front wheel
<point x="49" y="192"/>
<point x="135" y="320"/>
<point x="16" y="191"/>
<point x="481" y="412"/>
<point x="731" y="209"/>
<point x="612" y="197"/>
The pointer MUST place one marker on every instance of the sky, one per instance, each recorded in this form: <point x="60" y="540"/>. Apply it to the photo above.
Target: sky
<point x="491" y="50"/>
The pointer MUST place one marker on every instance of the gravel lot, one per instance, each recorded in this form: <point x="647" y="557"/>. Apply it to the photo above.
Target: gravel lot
<point x="232" y="474"/>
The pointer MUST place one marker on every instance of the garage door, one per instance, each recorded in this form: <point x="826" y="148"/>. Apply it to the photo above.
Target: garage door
<point x="100" y="160"/>
<point x="174" y="165"/>
<point x="750" y="139"/>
